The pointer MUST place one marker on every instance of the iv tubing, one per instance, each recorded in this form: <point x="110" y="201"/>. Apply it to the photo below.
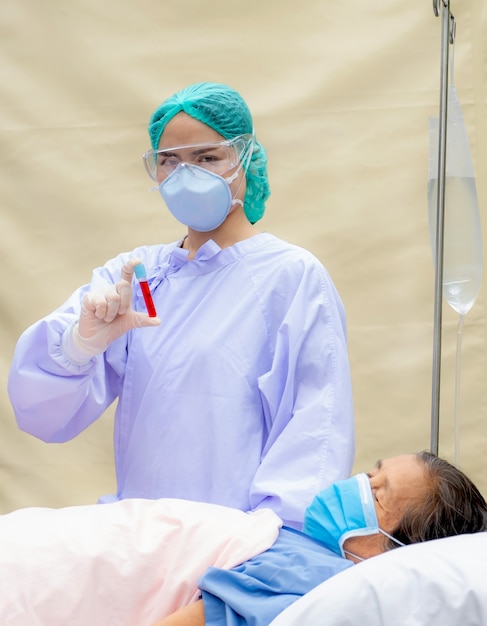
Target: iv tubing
<point x="457" y="389"/>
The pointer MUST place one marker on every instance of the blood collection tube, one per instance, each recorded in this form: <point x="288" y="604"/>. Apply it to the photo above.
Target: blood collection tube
<point x="141" y="275"/>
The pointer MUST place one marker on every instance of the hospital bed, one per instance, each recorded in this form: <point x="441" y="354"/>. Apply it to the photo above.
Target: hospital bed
<point x="130" y="563"/>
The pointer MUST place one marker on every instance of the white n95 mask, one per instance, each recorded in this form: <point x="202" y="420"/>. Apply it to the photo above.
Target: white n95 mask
<point x="198" y="198"/>
<point x="343" y="510"/>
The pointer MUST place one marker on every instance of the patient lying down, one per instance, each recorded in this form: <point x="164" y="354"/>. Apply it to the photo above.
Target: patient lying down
<point x="403" y="500"/>
<point x="169" y="562"/>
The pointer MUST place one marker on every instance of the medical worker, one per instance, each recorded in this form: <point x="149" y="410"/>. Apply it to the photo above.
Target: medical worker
<point x="238" y="392"/>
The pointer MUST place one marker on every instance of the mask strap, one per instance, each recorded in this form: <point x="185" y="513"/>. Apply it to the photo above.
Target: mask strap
<point x="383" y="532"/>
<point x="236" y="200"/>
<point x="231" y="178"/>
<point x="399" y="543"/>
<point x="355" y="556"/>
<point x="243" y="164"/>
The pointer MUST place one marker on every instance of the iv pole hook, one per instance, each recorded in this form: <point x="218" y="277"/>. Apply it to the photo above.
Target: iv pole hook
<point x="436" y="6"/>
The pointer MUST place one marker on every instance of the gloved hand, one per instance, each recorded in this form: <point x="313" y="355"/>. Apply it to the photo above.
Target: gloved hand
<point x="106" y="314"/>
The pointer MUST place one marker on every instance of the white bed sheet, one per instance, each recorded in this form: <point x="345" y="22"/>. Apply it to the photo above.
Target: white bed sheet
<point x="122" y="564"/>
<point x="437" y="583"/>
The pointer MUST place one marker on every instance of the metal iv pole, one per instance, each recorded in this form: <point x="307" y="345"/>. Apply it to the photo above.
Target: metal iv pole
<point x="447" y="38"/>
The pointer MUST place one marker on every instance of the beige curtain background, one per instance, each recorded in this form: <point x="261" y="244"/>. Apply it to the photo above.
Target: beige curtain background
<point x="341" y="94"/>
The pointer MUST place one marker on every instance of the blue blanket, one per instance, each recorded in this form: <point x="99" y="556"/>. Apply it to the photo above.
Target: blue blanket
<point x="255" y="592"/>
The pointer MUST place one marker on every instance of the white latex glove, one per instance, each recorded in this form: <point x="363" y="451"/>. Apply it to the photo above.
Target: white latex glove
<point x="106" y="315"/>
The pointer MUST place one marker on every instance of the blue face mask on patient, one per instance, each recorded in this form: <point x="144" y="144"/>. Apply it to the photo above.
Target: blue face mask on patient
<point x="343" y="510"/>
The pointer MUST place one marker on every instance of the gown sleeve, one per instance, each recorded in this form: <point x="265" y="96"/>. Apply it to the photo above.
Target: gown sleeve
<point x="307" y="400"/>
<point x="64" y="398"/>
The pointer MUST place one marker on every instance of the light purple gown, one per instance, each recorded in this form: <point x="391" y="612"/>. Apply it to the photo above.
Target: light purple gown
<point x="242" y="396"/>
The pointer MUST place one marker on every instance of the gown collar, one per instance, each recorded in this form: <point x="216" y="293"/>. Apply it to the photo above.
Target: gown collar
<point x="210" y="256"/>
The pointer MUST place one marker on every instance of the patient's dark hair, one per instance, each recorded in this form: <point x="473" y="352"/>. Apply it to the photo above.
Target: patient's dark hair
<point x="453" y="506"/>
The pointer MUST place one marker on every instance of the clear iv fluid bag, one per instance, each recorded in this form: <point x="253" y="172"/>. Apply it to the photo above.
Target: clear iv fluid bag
<point x="462" y="238"/>
<point x="462" y="249"/>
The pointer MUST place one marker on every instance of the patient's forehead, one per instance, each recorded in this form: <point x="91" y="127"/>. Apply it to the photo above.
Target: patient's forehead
<point x="401" y="464"/>
<point x="403" y="477"/>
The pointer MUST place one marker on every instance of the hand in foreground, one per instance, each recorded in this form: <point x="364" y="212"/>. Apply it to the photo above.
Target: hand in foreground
<point x="107" y="314"/>
<point x="191" y="615"/>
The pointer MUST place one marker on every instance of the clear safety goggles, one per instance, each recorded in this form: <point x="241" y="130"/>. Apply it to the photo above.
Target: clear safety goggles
<point x="218" y="157"/>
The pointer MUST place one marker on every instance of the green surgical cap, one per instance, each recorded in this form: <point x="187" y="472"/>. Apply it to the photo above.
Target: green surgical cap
<point x="222" y="108"/>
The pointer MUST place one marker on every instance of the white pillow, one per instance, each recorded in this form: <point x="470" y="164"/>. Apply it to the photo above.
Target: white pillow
<point x="437" y="583"/>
